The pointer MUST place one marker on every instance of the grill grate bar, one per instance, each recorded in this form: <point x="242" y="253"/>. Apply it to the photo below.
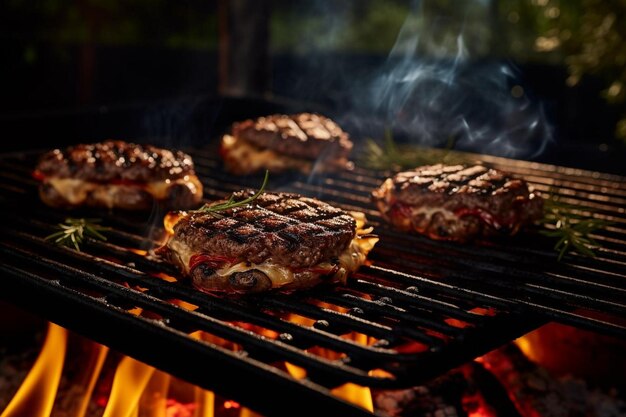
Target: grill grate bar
<point x="509" y="303"/>
<point x="195" y="359"/>
<point x="424" y="306"/>
<point x="200" y="298"/>
<point x="498" y="271"/>
<point x="199" y="321"/>
<point x="110" y="267"/>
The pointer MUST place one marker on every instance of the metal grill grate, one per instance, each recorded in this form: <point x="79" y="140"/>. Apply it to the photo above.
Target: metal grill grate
<point x="423" y="306"/>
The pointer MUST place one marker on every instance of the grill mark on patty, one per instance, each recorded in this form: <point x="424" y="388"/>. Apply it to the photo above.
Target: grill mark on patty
<point x="116" y="160"/>
<point x="239" y="237"/>
<point x="255" y="216"/>
<point x="452" y="179"/>
<point x="286" y="219"/>
<point x="302" y="135"/>
<point x="318" y="130"/>
<point x="456" y="202"/>
<point x="319" y="229"/>
<point x="292" y="239"/>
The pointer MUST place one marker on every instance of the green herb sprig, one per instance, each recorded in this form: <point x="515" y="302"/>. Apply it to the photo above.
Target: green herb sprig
<point x="72" y="232"/>
<point x="573" y="230"/>
<point x="231" y="203"/>
<point x="391" y="156"/>
<point x="561" y="221"/>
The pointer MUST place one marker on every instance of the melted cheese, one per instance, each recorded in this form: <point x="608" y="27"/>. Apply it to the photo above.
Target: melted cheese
<point x="183" y="253"/>
<point x="279" y="275"/>
<point x="160" y="189"/>
<point x="429" y="212"/>
<point x="76" y="191"/>
<point x="349" y="260"/>
<point x="246" y="158"/>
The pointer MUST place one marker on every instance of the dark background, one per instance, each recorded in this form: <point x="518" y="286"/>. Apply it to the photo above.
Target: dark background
<point x="179" y="72"/>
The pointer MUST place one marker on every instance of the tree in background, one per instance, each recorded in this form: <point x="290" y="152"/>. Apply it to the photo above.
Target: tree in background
<point x="600" y="48"/>
<point x="589" y="36"/>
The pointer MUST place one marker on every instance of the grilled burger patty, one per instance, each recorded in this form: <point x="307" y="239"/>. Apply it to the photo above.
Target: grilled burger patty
<point x="117" y="174"/>
<point x="457" y="202"/>
<point x="279" y="240"/>
<point x="285" y="142"/>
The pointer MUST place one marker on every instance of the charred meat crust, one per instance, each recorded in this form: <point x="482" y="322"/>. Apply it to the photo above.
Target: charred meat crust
<point x="115" y="160"/>
<point x="304" y="135"/>
<point x="116" y="174"/>
<point x="289" y="229"/>
<point x="456" y="202"/>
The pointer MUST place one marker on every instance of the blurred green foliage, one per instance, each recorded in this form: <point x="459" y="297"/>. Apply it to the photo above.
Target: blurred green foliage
<point x="350" y="26"/>
<point x="587" y="36"/>
<point x="176" y="24"/>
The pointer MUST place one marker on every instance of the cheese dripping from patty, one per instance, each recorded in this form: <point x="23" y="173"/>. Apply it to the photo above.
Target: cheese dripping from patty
<point x="76" y="191"/>
<point x="348" y="261"/>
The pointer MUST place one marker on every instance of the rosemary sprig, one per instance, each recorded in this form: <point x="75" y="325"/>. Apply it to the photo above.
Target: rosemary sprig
<point x="231" y="203"/>
<point x="391" y="156"/>
<point x="561" y="221"/>
<point x="564" y="222"/>
<point x="72" y="232"/>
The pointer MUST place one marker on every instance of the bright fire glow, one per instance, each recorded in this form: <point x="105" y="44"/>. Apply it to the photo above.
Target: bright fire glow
<point x="246" y="412"/>
<point x="356" y="394"/>
<point x="205" y="401"/>
<point x="153" y="401"/>
<point x="481" y="412"/>
<point x="525" y="346"/>
<point x="35" y="397"/>
<point x="131" y="378"/>
<point x="141" y="390"/>
<point x="89" y="375"/>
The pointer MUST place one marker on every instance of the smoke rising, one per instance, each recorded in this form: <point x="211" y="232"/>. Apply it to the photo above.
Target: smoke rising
<point x="443" y="95"/>
<point x="438" y="83"/>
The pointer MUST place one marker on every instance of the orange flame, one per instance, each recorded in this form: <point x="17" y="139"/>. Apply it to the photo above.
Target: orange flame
<point x="356" y="394"/>
<point x="246" y="412"/>
<point x="88" y="377"/>
<point x="153" y="401"/>
<point x="129" y="382"/>
<point x="35" y="397"/>
<point x="206" y="402"/>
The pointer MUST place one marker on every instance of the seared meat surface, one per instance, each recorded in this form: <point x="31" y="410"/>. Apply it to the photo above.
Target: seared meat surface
<point x="285" y="142"/>
<point x="457" y="202"/>
<point x="303" y="135"/>
<point x="117" y="174"/>
<point x="115" y="160"/>
<point x="279" y="240"/>
<point x="293" y="231"/>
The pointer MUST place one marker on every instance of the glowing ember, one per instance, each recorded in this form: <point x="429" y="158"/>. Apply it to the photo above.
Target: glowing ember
<point x="456" y="323"/>
<point x="177" y="409"/>
<point x="231" y="404"/>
